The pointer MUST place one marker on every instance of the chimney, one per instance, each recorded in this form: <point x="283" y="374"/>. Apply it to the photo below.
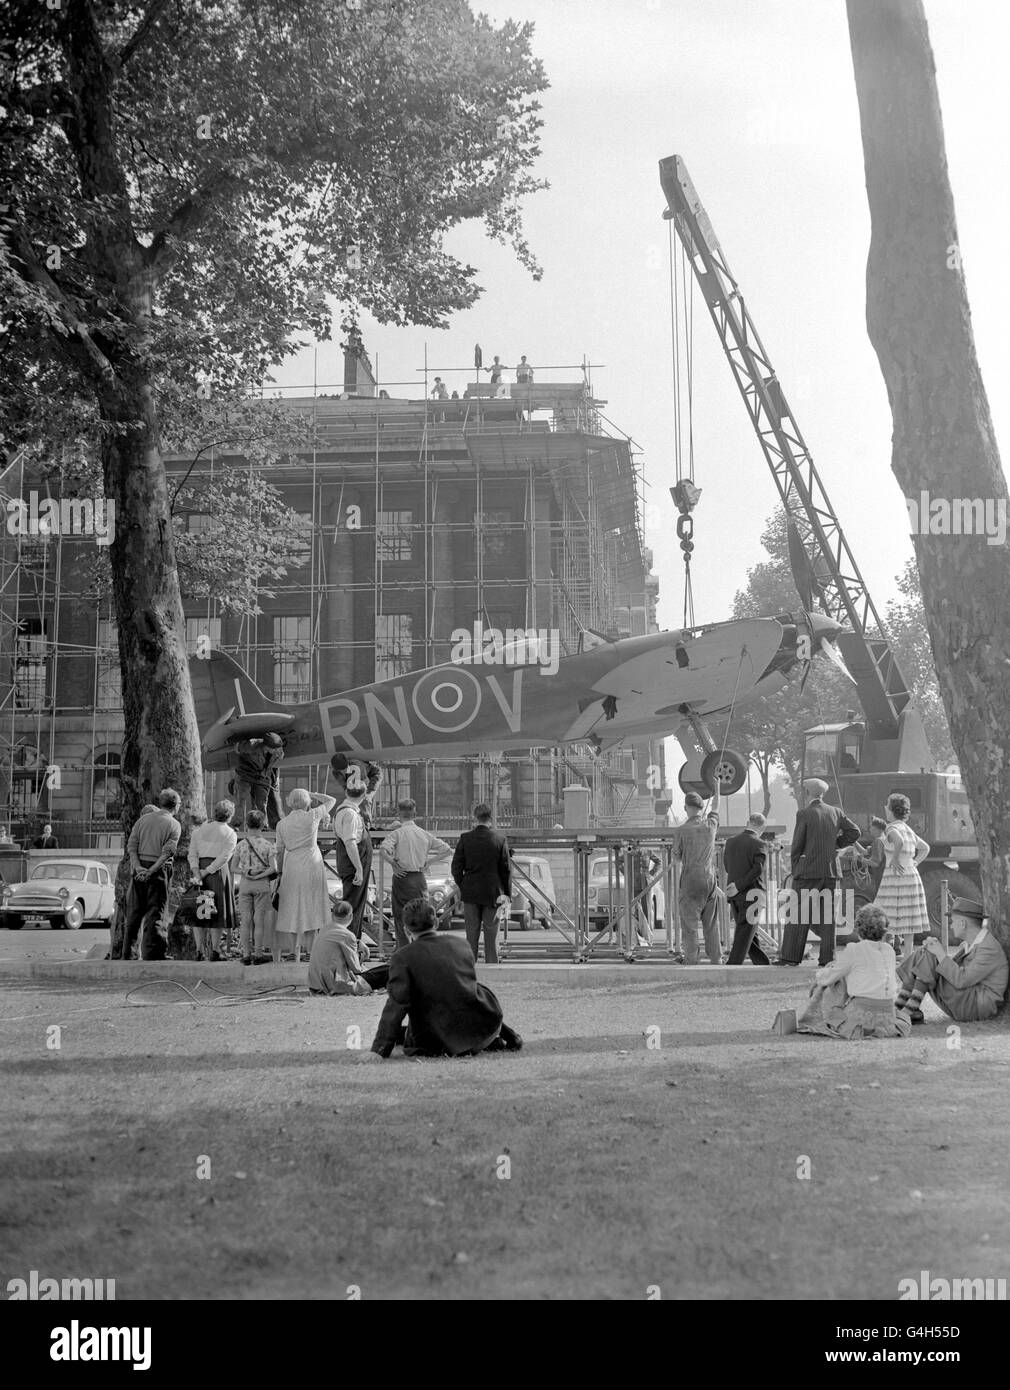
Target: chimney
<point x="358" y="378"/>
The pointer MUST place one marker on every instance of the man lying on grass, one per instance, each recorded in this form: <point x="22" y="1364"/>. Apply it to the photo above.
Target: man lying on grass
<point x="433" y="983"/>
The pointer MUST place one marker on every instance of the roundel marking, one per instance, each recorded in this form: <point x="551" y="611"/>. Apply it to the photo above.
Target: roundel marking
<point x="446" y="704"/>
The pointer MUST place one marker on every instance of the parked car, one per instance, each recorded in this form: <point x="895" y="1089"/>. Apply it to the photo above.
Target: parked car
<point x="606" y="881"/>
<point x="532" y="903"/>
<point x="60" y="893"/>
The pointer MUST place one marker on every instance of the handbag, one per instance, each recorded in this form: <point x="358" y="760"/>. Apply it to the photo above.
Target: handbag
<point x="196" y="906"/>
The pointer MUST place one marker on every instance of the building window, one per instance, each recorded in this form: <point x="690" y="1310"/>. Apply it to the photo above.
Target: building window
<point x="108" y="690"/>
<point x="394" y="787"/>
<point x="106" y="788"/>
<point x="394" y="535"/>
<point x="30" y="664"/>
<point x="202" y="627"/>
<point x="393" y="645"/>
<point x="292" y="658"/>
<point x="300" y="550"/>
<point x="498" y="537"/>
<point x="200" y="524"/>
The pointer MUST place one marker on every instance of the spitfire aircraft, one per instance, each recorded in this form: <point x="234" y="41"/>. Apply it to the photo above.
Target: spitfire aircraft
<point x="505" y="696"/>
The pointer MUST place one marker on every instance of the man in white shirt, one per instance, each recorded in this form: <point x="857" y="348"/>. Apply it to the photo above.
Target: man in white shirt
<point x="968" y="985"/>
<point x="409" y="849"/>
<point x="353" y="849"/>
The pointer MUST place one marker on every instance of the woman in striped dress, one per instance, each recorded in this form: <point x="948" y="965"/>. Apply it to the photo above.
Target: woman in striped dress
<point x="901" y="894"/>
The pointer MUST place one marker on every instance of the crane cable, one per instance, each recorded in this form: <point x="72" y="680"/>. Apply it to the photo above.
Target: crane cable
<point x="685" y="494"/>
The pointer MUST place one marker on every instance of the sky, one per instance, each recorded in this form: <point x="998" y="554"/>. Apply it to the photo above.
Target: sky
<point x="758" y="98"/>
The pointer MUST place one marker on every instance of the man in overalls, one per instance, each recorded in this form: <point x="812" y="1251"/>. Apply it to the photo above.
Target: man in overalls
<point x="695" y="849"/>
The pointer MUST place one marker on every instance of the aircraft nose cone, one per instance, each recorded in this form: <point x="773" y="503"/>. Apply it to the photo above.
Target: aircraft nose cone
<point x="822" y="628"/>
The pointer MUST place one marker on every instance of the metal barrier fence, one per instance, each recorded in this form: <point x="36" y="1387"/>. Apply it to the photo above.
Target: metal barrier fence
<point x="612" y="911"/>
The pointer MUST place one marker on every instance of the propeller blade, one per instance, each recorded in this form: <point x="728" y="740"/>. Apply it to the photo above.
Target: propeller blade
<point x="802" y="570"/>
<point x="834" y="655"/>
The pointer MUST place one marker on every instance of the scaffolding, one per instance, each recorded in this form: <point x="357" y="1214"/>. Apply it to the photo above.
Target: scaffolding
<point x="512" y="508"/>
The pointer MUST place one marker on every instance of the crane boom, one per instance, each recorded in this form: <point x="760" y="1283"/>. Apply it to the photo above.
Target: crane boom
<point x="835" y="579"/>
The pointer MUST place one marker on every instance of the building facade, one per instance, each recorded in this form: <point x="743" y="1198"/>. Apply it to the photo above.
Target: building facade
<point x="505" y="508"/>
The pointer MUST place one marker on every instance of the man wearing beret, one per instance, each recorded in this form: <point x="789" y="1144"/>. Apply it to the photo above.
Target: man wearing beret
<point x="821" y="831"/>
<point x="968" y="985"/>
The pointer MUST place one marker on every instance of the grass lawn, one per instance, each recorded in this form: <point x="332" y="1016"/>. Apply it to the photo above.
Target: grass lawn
<point x="628" y="1165"/>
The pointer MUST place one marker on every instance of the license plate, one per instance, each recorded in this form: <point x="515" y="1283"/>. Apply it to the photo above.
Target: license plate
<point x="35" y="921"/>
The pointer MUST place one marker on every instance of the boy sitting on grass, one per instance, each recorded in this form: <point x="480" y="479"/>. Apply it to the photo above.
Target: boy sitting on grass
<point x="335" y="963"/>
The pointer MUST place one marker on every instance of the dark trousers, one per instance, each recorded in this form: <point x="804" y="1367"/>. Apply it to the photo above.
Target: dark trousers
<point x="478" y="917"/>
<point x="745" y="933"/>
<point x="146" y="905"/>
<point x="405" y="888"/>
<point x="813" y="906"/>
<point x="507" y="1040"/>
<point x="355" y="894"/>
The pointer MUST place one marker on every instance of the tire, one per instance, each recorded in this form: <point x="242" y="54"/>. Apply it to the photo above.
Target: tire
<point x="958" y="886"/>
<point x="727" y="768"/>
<point x="73" y="918"/>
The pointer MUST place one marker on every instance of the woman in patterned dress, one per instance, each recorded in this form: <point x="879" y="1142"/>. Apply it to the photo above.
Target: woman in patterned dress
<point x="901" y="894"/>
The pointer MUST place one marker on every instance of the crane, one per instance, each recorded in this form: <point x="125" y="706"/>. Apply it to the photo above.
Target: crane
<point x="867" y="759"/>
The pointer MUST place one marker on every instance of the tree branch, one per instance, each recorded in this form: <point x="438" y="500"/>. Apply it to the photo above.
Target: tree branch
<point x="143" y="29"/>
<point x="89" y="353"/>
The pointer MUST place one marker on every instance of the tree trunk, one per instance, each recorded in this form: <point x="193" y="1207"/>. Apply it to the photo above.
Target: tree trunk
<point x="161" y="745"/>
<point x="943" y="442"/>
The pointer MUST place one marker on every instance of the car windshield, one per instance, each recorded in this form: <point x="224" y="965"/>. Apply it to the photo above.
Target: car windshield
<point x="74" y="872"/>
<point x="600" y="869"/>
<point x="438" y="870"/>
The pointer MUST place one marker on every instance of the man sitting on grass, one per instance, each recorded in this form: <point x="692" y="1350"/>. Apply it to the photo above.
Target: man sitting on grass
<point x="970" y="984"/>
<point x="335" y="962"/>
<point x="433" y="981"/>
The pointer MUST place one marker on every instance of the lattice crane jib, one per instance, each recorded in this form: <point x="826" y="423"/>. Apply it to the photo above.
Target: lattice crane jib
<point x="834" y="578"/>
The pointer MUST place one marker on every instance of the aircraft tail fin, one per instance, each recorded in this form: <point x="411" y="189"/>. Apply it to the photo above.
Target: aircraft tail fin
<point x="220" y="684"/>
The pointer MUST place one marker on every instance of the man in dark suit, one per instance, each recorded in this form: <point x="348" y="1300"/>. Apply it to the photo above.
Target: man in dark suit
<point x="480" y="866"/>
<point x="744" y="860"/>
<point x="47" y="840"/>
<point x="821" y="831"/>
<point x="433" y="983"/>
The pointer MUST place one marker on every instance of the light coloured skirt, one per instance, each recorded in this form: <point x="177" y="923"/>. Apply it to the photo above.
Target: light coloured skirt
<point x="903" y="898"/>
<point x="304" y="903"/>
<point x="834" y="1013"/>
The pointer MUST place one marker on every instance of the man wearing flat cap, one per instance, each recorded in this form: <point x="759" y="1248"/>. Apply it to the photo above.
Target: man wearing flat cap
<point x="968" y="985"/>
<point x="821" y="831"/>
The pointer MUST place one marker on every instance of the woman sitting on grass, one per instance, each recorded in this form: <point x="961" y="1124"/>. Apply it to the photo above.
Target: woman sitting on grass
<point x="853" y="997"/>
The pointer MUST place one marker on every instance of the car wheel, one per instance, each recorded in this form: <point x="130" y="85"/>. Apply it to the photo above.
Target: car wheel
<point x="74" y="915"/>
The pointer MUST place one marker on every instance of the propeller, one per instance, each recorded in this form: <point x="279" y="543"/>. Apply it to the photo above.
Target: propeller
<point x="835" y="657"/>
<point x="802" y="569"/>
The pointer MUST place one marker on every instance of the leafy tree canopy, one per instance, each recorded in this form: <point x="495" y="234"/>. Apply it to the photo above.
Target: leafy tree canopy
<point x="244" y="162"/>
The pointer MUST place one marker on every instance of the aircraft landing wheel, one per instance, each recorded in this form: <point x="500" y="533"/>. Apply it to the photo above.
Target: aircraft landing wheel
<point x="727" y="768"/>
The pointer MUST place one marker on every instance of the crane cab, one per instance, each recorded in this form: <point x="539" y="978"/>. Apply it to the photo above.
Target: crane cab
<point x="939" y="804"/>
